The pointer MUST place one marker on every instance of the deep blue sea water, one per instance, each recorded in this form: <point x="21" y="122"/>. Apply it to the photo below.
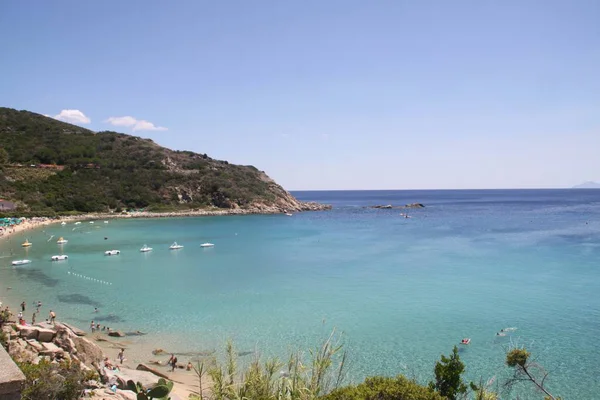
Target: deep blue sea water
<point x="402" y="291"/>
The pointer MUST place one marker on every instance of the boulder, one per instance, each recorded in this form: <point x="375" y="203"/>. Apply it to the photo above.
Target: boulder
<point x="35" y="345"/>
<point x="75" y="330"/>
<point x="147" y="379"/>
<point x="46" y="325"/>
<point x="27" y="332"/>
<point x="51" y="350"/>
<point x="65" y="342"/>
<point x="45" y="335"/>
<point x="415" y="205"/>
<point x="385" y="207"/>
<point x="116" y="334"/>
<point x="143" y="367"/>
<point x="87" y="351"/>
<point x="127" y="394"/>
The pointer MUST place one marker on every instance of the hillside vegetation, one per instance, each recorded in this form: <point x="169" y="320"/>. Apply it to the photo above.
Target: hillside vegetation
<point x="52" y="166"/>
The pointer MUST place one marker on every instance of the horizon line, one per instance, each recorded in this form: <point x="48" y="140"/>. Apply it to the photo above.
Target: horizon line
<point x="422" y="190"/>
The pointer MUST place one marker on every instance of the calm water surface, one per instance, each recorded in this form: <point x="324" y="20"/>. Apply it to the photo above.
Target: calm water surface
<point x="402" y="291"/>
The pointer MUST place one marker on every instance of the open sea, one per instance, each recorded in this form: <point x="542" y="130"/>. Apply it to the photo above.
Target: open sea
<point x="401" y="291"/>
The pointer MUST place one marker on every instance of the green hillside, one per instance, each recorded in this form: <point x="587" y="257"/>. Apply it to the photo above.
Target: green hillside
<point x="48" y="165"/>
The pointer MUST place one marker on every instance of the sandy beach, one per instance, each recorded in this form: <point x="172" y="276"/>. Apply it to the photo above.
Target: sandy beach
<point x="38" y="222"/>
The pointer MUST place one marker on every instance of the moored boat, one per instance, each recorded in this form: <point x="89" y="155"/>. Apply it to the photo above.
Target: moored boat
<point x="207" y="245"/>
<point x="20" y="262"/>
<point x="112" y="252"/>
<point x="59" y="257"/>
<point x="61" y="240"/>
<point x="175" y="246"/>
<point x="145" y="249"/>
<point x="26" y="243"/>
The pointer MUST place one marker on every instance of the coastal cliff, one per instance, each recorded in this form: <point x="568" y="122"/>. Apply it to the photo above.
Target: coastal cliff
<point x="49" y="166"/>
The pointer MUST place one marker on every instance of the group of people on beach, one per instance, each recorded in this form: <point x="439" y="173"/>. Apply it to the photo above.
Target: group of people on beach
<point x="21" y="314"/>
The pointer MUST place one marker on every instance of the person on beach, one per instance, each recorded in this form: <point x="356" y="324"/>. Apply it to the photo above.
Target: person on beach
<point x="20" y="316"/>
<point x="121" y="356"/>
<point x="189" y="366"/>
<point x="93" y="327"/>
<point x="52" y="317"/>
<point x="33" y="319"/>
<point x="173" y="362"/>
<point x="23" y="306"/>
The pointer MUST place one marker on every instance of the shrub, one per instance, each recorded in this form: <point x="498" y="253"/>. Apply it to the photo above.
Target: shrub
<point x="384" y="388"/>
<point x="52" y="381"/>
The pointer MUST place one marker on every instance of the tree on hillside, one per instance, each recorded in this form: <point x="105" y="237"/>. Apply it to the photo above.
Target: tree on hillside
<point x="448" y="380"/>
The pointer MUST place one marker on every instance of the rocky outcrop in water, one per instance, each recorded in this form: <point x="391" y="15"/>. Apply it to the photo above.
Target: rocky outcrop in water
<point x="389" y="206"/>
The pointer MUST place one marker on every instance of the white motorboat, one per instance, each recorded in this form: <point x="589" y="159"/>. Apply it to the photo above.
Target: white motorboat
<point x="112" y="252"/>
<point x="175" y="246"/>
<point x="20" y="262"/>
<point x="63" y="223"/>
<point x="207" y="245"/>
<point x="59" y="258"/>
<point x="106" y="222"/>
<point x="289" y="214"/>
<point x="78" y="223"/>
<point x="145" y="249"/>
<point x="62" y="240"/>
<point x="91" y="222"/>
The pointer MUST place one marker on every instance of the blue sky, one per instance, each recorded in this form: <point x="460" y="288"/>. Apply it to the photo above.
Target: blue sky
<point x="327" y="94"/>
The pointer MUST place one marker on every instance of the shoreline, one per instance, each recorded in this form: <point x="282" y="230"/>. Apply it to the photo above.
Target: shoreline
<point x="38" y="222"/>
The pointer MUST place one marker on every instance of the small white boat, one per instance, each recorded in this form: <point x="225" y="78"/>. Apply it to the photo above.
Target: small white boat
<point x="289" y="214"/>
<point x="106" y="222"/>
<point x="112" y="252"/>
<point x="63" y="223"/>
<point x="175" y="246"/>
<point x="207" y="245"/>
<point x="62" y="240"/>
<point x="145" y="249"/>
<point x="78" y="223"/>
<point x="20" y="262"/>
<point x="91" y="222"/>
<point x="59" y="258"/>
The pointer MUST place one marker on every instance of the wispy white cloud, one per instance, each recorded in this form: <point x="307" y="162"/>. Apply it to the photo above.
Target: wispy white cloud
<point x="121" y="121"/>
<point x="73" y="117"/>
<point x="134" y="123"/>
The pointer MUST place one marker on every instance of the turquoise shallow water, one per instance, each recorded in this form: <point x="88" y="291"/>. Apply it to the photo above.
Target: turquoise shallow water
<point x="403" y="291"/>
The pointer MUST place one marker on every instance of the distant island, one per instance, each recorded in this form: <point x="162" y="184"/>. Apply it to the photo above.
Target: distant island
<point x="49" y="167"/>
<point x="588" y="185"/>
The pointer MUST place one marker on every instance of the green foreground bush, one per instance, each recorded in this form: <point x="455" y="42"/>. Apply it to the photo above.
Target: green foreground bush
<point x="64" y="381"/>
<point x="381" y="388"/>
